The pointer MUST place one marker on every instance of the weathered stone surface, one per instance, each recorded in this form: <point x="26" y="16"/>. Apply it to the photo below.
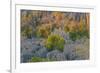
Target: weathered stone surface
<point x="69" y="51"/>
<point x="73" y="50"/>
<point x="61" y="33"/>
<point x="77" y="50"/>
<point x="56" y="55"/>
<point x="40" y="53"/>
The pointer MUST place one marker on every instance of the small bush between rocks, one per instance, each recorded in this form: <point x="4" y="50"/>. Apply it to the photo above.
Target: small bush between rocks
<point x="55" y="42"/>
<point x="38" y="59"/>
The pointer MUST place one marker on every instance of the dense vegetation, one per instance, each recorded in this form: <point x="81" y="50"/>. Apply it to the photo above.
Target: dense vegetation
<point x="47" y="35"/>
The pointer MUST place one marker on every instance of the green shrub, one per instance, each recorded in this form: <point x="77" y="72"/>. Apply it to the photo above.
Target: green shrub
<point x="38" y="59"/>
<point x="78" y="34"/>
<point x="66" y="28"/>
<point x="42" y="32"/>
<point x="27" y="31"/>
<point x="55" y="42"/>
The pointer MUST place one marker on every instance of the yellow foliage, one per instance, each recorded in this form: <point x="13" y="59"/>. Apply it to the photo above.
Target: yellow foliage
<point x="58" y="17"/>
<point x="87" y="21"/>
<point x="81" y="24"/>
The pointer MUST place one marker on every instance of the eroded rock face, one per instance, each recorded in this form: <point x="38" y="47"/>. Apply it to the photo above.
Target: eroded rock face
<point x="25" y="57"/>
<point x="82" y="49"/>
<point x="32" y="48"/>
<point x="62" y="34"/>
<point x="73" y="50"/>
<point x="56" y="55"/>
<point x="77" y="50"/>
<point x="42" y="52"/>
<point x="69" y="51"/>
